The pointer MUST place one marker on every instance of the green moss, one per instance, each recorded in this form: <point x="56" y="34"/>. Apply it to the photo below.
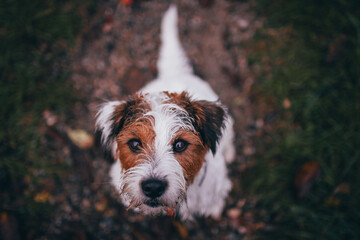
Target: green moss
<point x="313" y="55"/>
<point x="33" y="36"/>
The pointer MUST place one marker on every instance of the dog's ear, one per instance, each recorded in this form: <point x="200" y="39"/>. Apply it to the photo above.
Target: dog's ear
<point x="209" y="121"/>
<point x="107" y="122"/>
<point x="208" y="117"/>
<point x="112" y="116"/>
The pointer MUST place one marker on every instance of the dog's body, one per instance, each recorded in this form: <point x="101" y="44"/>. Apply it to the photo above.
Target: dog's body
<point x="171" y="149"/>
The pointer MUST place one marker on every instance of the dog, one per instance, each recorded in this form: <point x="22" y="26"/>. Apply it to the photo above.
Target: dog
<point x="172" y="140"/>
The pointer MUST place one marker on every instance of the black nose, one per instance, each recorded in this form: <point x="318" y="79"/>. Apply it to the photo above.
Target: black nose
<point x="153" y="188"/>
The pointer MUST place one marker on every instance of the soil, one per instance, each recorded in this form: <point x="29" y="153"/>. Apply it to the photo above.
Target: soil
<point x="116" y="55"/>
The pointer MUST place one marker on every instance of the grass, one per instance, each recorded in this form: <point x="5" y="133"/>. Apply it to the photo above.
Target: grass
<point x="309" y="53"/>
<point x="34" y="39"/>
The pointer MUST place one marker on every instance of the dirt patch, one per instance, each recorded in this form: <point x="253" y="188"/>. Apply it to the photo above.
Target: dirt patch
<point x="115" y="56"/>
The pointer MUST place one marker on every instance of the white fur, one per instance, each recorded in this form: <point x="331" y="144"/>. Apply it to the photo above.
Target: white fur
<point x="172" y="59"/>
<point x="207" y="194"/>
<point x="104" y="121"/>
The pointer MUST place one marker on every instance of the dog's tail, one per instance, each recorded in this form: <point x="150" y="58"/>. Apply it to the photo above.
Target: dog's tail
<point x="172" y="59"/>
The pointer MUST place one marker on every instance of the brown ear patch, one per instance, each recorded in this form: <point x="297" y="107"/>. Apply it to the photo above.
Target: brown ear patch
<point x="126" y="113"/>
<point x="208" y="117"/>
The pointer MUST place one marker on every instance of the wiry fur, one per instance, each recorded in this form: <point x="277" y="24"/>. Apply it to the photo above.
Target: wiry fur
<point x="162" y="112"/>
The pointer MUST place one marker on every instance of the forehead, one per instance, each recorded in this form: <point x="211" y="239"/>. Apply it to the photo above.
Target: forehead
<point x="168" y="112"/>
<point x="164" y="112"/>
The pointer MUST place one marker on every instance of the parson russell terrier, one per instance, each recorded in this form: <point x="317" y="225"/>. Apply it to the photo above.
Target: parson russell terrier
<point x="171" y="140"/>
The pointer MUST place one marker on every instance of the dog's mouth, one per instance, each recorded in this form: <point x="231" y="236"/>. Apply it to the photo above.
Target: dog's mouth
<point x="153" y="203"/>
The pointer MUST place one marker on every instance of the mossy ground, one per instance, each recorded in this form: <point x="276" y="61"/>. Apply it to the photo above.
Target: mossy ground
<point x="309" y="56"/>
<point x="305" y="100"/>
<point x="35" y="37"/>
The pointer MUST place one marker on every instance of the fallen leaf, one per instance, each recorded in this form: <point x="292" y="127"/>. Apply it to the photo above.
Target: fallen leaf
<point x="241" y="203"/>
<point x="259" y="123"/>
<point x="127" y="2"/>
<point x="4" y="218"/>
<point x="332" y="201"/>
<point x="343" y="188"/>
<point x="259" y="225"/>
<point x="110" y="213"/>
<point x="86" y="203"/>
<point x="286" y="103"/>
<point x="50" y="118"/>
<point x="243" y="23"/>
<point x="233" y="213"/>
<point x="8" y="227"/>
<point x="181" y="229"/>
<point x="238" y="101"/>
<point x="101" y="206"/>
<point x="42" y="197"/>
<point x="249" y="150"/>
<point x="81" y="138"/>
<point x="242" y="230"/>
<point x="306" y="177"/>
<point x="336" y="48"/>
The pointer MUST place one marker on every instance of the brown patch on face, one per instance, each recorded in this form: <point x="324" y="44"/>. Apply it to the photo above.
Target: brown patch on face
<point x="193" y="157"/>
<point x="142" y="131"/>
<point x="181" y="99"/>
<point x="208" y="117"/>
<point x="128" y="124"/>
<point x="126" y="113"/>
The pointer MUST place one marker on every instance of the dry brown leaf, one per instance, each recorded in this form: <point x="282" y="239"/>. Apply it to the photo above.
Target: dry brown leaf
<point x="343" y="188"/>
<point x="86" y="203"/>
<point x="101" y="206"/>
<point x="81" y="138"/>
<point x="332" y="201"/>
<point x="306" y="177"/>
<point x="242" y="230"/>
<point x="50" y="118"/>
<point x="127" y="2"/>
<point x="233" y="213"/>
<point x="286" y="103"/>
<point x="336" y="48"/>
<point x="241" y="203"/>
<point x="42" y="197"/>
<point x="8" y="227"/>
<point x="181" y="229"/>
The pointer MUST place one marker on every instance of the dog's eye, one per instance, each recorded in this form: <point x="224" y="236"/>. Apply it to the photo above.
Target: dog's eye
<point x="180" y="146"/>
<point x="134" y="145"/>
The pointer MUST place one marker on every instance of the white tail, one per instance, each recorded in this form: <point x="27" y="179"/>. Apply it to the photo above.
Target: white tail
<point x="172" y="59"/>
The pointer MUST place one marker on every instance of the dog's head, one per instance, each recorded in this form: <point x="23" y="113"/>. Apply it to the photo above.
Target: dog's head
<point x="160" y="140"/>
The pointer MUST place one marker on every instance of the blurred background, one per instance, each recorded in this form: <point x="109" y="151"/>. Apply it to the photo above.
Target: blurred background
<point x="288" y="71"/>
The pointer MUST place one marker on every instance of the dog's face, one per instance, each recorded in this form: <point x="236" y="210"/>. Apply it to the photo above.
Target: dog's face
<point x="160" y="140"/>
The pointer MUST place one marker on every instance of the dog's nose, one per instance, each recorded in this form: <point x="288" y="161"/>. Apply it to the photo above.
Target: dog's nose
<point x="153" y="188"/>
